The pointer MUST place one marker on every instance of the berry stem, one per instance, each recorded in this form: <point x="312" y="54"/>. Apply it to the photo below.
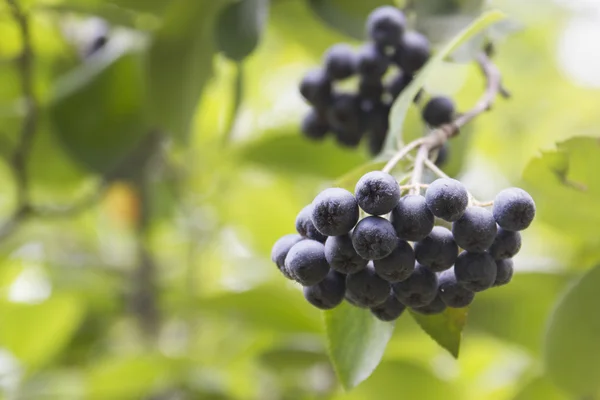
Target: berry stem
<point x="402" y="153"/>
<point x="417" y="174"/>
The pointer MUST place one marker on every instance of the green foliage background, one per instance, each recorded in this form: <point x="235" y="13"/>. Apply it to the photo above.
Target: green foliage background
<point x="134" y="252"/>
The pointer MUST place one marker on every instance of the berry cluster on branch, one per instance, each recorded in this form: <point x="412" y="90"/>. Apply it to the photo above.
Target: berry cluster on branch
<point x="382" y="68"/>
<point x="406" y="259"/>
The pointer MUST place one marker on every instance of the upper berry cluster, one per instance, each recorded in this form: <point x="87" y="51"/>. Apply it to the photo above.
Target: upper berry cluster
<point x="385" y="65"/>
<point x="371" y="263"/>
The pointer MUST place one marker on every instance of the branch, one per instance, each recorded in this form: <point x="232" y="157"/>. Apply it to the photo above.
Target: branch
<point x="440" y="135"/>
<point x="28" y="128"/>
<point x="402" y="153"/>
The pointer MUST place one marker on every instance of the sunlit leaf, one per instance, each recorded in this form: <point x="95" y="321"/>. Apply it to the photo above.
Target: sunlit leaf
<point x="567" y="176"/>
<point x="356" y="342"/>
<point x="292" y="153"/>
<point x="35" y="333"/>
<point x="572" y="354"/>
<point x="445" y="328"/>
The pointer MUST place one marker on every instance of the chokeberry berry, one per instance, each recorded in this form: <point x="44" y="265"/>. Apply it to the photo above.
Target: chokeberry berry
<point x="335" y="212"/>
<point x="411" y="218"/>
<point x="374" y="238"/>
<point x="377" y="192"/>
<point x="447" y="199"/>
<point x="399" y="265"/>
<point x="341" y="256"/>
<point x="328" y="293"/>
<point x="476" y="230"/>
<point x="438" y="111"/>
<point x="306" y="262"/>
<point x="475" y="271"/>
<point x="438" y="250"/>
<point x="514" y="209"/>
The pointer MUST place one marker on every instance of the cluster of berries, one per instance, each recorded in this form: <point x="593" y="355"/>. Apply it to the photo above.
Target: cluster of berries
<point x="385" y="66"/>
<point x="372" y="264"/>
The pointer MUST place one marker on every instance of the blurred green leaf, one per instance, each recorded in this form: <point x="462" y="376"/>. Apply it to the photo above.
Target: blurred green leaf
<point x="356" y="342"/>
<point x="239" y="27"/>
<point x="540" y="389"/>
<point x="439" y="19"/>
<point x="524" y="310"/>
<point x="348" y="17"/>
<point x="571" y="351"/>
<point x="270" y="307"/>
<point x="402" y="380"/>
<point x="568" y="177"/>
<point x="404" y="101"/>
<point x="291" y="357"/>
<point x="445" y="328"/>
<point x="348" y="180"/>
<point x="151" y="6"/>
<point x="98" y="111"/>
<point x="127" y="377"/>
<point x="180" y="63"/>
<point x="292" y="153"/>
<point x="35" y="333"/>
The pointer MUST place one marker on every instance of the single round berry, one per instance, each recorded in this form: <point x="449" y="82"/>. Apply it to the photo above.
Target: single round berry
<point x="340" y="61"/>
<point x="399" y="265"/>
<point x="476" y="230"/>
<point x="305" y="226"/>
<point x="447" y="199"/>
<point x="452" y="293"/>
<point x="374" y="238"/>
<point x="419" y="289"/>
<point x="437" y="306"/>
<point x="506" y="245"/>
<point x="438" y="250"/>
<point x="514" y="209"/>
<point x="377" y="192"/>
<point x="367" y="288"/>
<point x="306" y="262"/>
<point x="314" y="125"/>
<point x="504" y="271"/>
<point x="315" y="87"/>
<point x="370" y="89"/>
<point x="344" y="112"/>
<point x="378" y="124"/>
<point x="328" y="293"/>
<point x="280" y="251"/>
<point x="385" y="26"/>
<point x="413" y="52"/>
<point x="349" y="297"/>
<point x="438" y="111"/>
<point x="398" y="84"/>
<point x="371" y="62"/>
<point x="349" y="137"/>
<point x="341" y="256"/>
<point x="335" y="212"/>
<point x="411" y="218"/>
<point x="475" y="271"/>
<point x="389" y="310"/>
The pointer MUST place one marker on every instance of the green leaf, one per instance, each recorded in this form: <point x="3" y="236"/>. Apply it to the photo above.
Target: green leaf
<point x="524" y="315"/>
<point x="35" y="333"/>
<point x="270" y="307"/>
<point x="568" y="177"/>
<point x="402" y="104"/>
<point x="571" y="351"/>
<point x="239" y="27"/>
<point x="445" y="328"/>
<point x="395" y="380"/>
<point x="356" y="342"/>
<point x="98" y="111"/>
<point x="348" y="17"/>
<point x="292" y="153"/>
<point x="127" y="377"/>
<point x="540" y="388"/>
<point x="180" y="63"/>
<point x="348" y="180"/>
<point x="292" y="358"/>
<point x="151" y="6"/>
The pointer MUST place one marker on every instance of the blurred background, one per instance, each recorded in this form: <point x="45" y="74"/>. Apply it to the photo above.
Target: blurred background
<point x="145" y="176"/>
